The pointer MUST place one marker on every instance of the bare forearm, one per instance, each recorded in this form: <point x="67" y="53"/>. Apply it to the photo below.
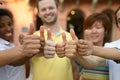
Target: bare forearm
<point x="109" y="53"/>
<point x="90" y="61"/>
<point x="20" y="61"/>
<point x="24" y="59"/>
<point x="10" y="55"/>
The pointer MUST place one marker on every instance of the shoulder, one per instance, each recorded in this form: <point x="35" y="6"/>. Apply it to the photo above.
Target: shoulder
<point x="2" y="45"/>
<point x="113" y="44"/>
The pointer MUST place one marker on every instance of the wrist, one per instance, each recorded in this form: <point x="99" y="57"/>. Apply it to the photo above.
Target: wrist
<point x="94" y="50"/>
<point x="21" y="51"/>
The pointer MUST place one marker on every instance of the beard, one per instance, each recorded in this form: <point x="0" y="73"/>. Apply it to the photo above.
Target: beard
<point x="51" y="22"/>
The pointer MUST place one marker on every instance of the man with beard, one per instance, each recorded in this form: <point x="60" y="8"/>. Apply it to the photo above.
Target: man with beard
<point x="52" y="65"/>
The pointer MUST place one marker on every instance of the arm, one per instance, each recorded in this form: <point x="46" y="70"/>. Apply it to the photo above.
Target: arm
<point x="30" y="46"/>
<point x="86" y="47"/>
<point x="75" y="70"/>
<point x="81" y="52"/>
<point x="90" y="61"/>
<point x="10" y="55"/>
<point x="110" y="53"/>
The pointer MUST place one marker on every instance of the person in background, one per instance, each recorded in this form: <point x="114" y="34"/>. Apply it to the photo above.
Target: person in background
<point x="36" y="19"/>
<point x="38" y="22"/>
<point x="110" y="13"/>
<point x="75" y="20"/>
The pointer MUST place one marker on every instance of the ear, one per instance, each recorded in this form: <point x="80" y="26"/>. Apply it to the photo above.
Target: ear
<point x="39" y="14"/>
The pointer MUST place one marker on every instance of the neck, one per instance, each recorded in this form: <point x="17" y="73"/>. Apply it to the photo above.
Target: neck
<point x="53" y="27"/>
<point x="99" y="43"/>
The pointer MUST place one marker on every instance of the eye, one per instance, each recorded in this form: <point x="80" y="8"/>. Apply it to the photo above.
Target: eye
<point x="43" y="9"/>
<point x="51" y="8"/>
<point x="99" y="27"/>
<point x="1" y="26"/>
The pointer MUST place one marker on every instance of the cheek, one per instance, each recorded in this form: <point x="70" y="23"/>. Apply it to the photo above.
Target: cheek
<point x="119" y="24"/>
<point x="54" y="12"/>
<point x="102" y="34"/>
<point x="2" y="32"/>
<point x="40" y="15"/>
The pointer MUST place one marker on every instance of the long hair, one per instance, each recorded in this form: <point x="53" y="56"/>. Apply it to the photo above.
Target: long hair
<point x="100" y="17"/>
<point x="37" y="1"/>
<point x="116" y="16"/>
<point x="75" y="20"/>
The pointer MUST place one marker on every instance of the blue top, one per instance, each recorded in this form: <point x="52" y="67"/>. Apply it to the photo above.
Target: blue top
<point x="9" y="72"/>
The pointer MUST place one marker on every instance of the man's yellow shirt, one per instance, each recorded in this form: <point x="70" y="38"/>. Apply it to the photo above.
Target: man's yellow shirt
<point x="55" y="68"/>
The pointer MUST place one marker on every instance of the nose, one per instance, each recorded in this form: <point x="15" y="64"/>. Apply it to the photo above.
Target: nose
<point x="93" y="30"/>
<point x="47" y="11"/>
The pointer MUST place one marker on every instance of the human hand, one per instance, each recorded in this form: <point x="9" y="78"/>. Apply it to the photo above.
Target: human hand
<point x="71" y="46"/>
<point x="85" y="47"/>
<point x="60" y="48"/>
<point x="49" y="47"/>
<point x="42" y="39"/>
<point x="30" y="43"/>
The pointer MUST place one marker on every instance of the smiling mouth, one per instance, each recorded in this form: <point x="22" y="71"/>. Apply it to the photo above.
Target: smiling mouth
<point x="8" y="34"/>
<point x="95" y="37"/>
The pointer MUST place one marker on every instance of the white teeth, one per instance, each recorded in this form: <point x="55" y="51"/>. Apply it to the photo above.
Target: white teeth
<point x="94" y="37"/>
<point x="48" y="17"/>
<point x="8" y="34"/>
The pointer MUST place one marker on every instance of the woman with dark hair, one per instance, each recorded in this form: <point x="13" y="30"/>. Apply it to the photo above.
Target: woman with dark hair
<point x="98" y="24"/>
<point x="111" y="52"/>
<point x="75" y="20"/>
<point x="8" y="72"/>
<point x="110" y="13"/>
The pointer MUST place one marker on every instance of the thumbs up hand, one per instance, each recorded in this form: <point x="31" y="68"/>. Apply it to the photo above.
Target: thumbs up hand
<point x="60" y="48"/>
<point x="71" y="46"/>
<point x="30" y="43"/>
<point x="85" y="47"/>
<point x="49" y="47"/>
<point x="42" y="39"/>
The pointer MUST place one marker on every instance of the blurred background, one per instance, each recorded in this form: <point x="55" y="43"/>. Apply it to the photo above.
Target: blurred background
<point x="25" y="12"/>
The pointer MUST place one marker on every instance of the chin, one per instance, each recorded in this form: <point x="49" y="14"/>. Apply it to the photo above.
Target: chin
<point x="95" y="41"/>
<point x="9" y="39"/>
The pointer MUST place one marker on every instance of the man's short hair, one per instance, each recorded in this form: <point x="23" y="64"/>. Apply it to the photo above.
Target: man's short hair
<point x="37" y="1"/>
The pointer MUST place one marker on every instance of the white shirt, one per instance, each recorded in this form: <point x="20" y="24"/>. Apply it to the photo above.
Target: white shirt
<point x="114" y="68"/>
<point x="8" y="72"/>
